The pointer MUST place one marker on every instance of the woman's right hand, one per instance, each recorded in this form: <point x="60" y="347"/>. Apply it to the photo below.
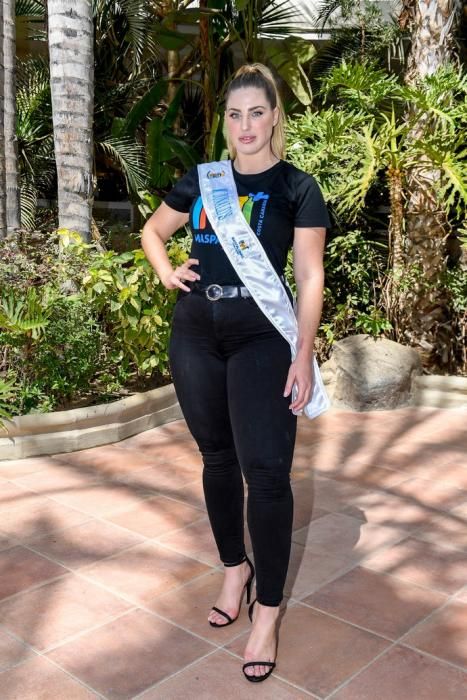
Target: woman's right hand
<point x="181" y="274"/>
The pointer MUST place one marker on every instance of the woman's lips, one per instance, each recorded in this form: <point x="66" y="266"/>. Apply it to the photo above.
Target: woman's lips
<point x="246" y="139"/>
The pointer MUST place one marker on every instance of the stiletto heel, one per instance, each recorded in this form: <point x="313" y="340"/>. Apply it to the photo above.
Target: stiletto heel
<point x="248" y="585"/>
<point x="271" y="664"/>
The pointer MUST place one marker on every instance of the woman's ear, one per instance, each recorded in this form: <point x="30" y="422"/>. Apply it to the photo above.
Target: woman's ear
<point x="275" y="118"/>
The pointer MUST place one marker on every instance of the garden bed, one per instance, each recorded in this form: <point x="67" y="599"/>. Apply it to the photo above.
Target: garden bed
<point x="80" y="428"/>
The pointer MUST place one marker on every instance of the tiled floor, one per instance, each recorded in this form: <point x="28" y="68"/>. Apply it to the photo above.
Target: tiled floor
<point x="108" y="569"/>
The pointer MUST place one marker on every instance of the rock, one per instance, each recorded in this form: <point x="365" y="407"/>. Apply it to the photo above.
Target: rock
<point x="365" y="373"/>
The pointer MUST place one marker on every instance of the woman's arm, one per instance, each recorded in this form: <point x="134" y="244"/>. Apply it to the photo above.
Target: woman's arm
<point x="308" y="252"/>
<point x="156" y="232"/>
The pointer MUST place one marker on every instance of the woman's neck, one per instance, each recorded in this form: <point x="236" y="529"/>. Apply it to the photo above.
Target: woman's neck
<point x="257" y="163"/>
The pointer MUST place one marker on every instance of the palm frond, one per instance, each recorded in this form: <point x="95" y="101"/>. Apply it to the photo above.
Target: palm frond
<point x="128" y="156"/>
<point x="28" y="205"/>
<point x="282" y="18"/>
<point x="30" y="8"/>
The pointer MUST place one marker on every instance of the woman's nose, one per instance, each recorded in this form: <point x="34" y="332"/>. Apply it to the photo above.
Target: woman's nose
<point x="246" y="122"/>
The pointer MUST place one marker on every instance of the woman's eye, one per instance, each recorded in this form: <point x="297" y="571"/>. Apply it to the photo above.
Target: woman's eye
<point x="257" y="114"/>
<point x="234" y="115"/>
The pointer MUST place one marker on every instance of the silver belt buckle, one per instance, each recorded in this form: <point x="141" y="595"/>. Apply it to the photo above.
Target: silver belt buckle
<point x="213" y="292"/>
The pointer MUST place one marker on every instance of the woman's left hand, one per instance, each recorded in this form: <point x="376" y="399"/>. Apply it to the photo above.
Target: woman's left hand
<point x="301" y="374"/>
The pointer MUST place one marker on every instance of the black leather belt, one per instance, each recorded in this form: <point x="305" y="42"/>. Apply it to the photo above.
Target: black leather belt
<point x="214" y="292"/>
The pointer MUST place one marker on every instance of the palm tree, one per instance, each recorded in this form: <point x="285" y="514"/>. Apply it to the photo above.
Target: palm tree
<point x="426" y="319"/>
<point x="3" y="224"/>
<point x="11" y="148"/>
<point x="70" y="30"/>
<point x="363" y="140"/>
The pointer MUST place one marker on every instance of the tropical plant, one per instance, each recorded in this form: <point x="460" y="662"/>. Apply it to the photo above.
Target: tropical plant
<point x="426" y="318"/>
<point x="6" y="393"/>
<point x="34" y="133"/>
<point x="361" y="146"/>
<point x="355" y="31"/>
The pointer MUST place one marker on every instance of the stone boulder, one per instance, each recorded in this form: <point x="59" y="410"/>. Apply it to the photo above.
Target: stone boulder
<point x="364" y="373"/>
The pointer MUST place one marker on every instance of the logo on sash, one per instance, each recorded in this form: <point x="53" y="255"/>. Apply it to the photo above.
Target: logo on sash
<point x="211" y="173"/>
<point x="222" y="204"/>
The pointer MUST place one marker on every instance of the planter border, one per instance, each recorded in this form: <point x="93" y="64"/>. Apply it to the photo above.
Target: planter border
<point x="80" y="428"/>
<point x="440" y="391"/>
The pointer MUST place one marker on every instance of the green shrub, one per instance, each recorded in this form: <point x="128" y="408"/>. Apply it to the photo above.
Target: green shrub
<point x="77" y="321"/>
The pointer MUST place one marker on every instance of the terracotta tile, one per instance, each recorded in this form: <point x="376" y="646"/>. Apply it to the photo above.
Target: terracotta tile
<point x="176" y="430"/>
<point x="308" y="570"/>
<point x="330" y="494"/>
<point x="102" y="499"/>
<point x="168" y="451"/>
<point x="84" y="544"/>
<point x="38" y="679"/>
<point x="145" y="571"/>
<point x="302" y="467"/>
<point x="102" y="462"/>
<point x="449" y="529"/>
<point x="55" y="478"/>
<point x="415" y="453"/>
<point x="189" y="606"/>
<point x="124" y="657"/>
<point x="450" y="474"/>
<point x="375" y="601"/>
<point x="191" y="492"/>
<point x="424" y="563"/>
<point x="13" y="496"/>
<point x="317" y="652"/>
<point x="67" y="606"/>
<point x="40" y="517"/>
<point x="406" y="675"/>
<point x="6" y="542"/>
<point x="220" y="675"/>
<point x="383" y="508"/>
<point x="20" y="569"/>
<point x="14" y="468"/>
<point x="156" y="516"/>
<point x="443" y="635"/>
<point x="346" y="537"/>
<point x="197" y="541"/>
<point x="371" y="476"/>
<point x="305" y="508"/>
<point x="428" y="493"/>
<point x="165" y="478"/>
<point x="336" y="454"/>
<point x="12" y="651"/>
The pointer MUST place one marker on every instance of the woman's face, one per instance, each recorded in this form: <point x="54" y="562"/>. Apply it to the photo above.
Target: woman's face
<point x="250" y="120"/>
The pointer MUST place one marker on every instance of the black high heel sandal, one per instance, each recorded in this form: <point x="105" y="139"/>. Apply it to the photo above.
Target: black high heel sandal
<point x="248" y="585"/>
<point x="271" y="664"/>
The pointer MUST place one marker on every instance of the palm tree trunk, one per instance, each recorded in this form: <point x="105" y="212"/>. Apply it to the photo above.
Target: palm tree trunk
<point x="432" y="41"/>
<point x="206" y="70"/>
<point x="425" y="307"/>
<point x="11" y="145"/>
<point x="3" y="226"/>
<point x="70" y="27"/>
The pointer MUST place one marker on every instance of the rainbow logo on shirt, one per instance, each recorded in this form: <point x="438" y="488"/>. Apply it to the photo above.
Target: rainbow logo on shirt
<point x="247" y="204"/>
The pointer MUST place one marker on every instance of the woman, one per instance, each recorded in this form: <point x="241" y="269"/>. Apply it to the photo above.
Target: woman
<point x="231" y="368"/>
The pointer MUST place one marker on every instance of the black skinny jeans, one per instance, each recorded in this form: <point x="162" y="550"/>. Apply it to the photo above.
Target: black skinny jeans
<point x="229" y="366"/>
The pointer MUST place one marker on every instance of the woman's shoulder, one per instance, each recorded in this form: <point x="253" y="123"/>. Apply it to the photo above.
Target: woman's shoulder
<point x="296" y="175"/>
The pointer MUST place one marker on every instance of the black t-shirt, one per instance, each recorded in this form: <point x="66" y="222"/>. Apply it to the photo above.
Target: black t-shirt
<point x="273" y="202"/>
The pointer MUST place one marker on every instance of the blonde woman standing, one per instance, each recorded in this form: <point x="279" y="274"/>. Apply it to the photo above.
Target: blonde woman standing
<point x="231" y="368"/>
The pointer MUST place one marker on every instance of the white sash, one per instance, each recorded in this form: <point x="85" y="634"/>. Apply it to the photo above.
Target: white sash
<point x="252" y="265"/>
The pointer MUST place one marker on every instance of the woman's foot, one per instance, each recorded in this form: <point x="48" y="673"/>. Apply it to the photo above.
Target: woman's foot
<point x="262" y="643"/>
<point x="229" y="600"/>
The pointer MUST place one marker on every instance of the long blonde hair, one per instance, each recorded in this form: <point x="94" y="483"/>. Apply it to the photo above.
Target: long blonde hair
<point x="258" y="75"/>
